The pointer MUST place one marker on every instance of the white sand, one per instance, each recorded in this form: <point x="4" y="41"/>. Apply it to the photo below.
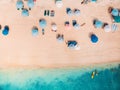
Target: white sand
<point x="20" y="49"/>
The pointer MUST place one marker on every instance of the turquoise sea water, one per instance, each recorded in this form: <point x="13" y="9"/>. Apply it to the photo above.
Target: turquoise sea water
<point x="60" y="79"/>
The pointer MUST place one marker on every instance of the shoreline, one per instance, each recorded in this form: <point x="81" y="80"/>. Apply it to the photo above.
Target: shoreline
<point x="92" y="66"/>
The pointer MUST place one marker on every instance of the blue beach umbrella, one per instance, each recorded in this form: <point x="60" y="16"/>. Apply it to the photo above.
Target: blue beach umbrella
<point x="93" y="0"/>
<point x="5" y="32"/>
<point x="115" y="12"/>
<point x="35" y="31"/>
<point x="98" y="24"/>
<point x="42" y="23"/>
<point x="25" y="12"/>
<point x="30" y="3"/>
<point x="71" y="44"/>
<point x="94" y="38"/>
<point x="19" y="4"/>
<point x="116" y="19"/>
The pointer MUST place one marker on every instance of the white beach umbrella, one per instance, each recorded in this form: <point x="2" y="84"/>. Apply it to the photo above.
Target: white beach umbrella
<point x="59" y="3"/>
<point x="77" y="12"/>
<point x="60" y="38"/>
<point x="54" y="27"/>
<point x="107" y="28"/>
<point x="77" y="26"/>
<point x="70" y="13"/>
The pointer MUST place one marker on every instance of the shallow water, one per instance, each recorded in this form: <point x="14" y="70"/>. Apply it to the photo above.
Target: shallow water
<point x="60" y="79"/>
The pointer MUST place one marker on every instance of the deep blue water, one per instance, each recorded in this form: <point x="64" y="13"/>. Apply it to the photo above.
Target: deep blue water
<point x="59" y="79"/>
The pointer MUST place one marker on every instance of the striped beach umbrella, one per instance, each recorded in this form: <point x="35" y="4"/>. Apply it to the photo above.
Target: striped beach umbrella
<point x="35" y="31"/>
<point x="98" y="24"/>
<point x="42" y="23"/>
<point x="5" y="32"/>
<point x="25" y="12"/>
<point x="19" y="4"/>
<point x="94" y="38"/>
<point x="115" y="12"/>
<point x="30" y="4"/>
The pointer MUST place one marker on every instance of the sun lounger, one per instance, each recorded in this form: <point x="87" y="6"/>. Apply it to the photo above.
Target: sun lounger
<point x="114" y="27"/>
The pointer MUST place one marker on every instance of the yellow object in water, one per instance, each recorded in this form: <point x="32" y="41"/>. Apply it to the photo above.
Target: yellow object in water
<point x="93" y="74"/>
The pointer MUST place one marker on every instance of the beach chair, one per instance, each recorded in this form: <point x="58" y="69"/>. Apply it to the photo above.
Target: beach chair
<point x="52" y="13"/>
<point x="114" y="27"/>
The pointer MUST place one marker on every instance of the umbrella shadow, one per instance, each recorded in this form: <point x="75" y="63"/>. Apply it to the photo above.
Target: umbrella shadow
<point x="53" y="23"/>
<point x="110" y="9"/>
<point x="74" y="22"/>
<point x="35" y="27"/>
<point x="6" y="27"/>
<point x="76" y="10"/>
<point x="25" y="9"/>
<point x="104" y="24"/>
<point x="41" y="19"/>
<point x="67" y="22"/>
<point x="0" y="27"/>
<point x="59" y="35"/>
<point x="68" y="9"/>
<point x="94" y="21"/>
<point x="90" y="34"/>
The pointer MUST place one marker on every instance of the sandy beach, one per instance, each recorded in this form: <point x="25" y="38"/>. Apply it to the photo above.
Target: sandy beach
<point x="21" y="49"/>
